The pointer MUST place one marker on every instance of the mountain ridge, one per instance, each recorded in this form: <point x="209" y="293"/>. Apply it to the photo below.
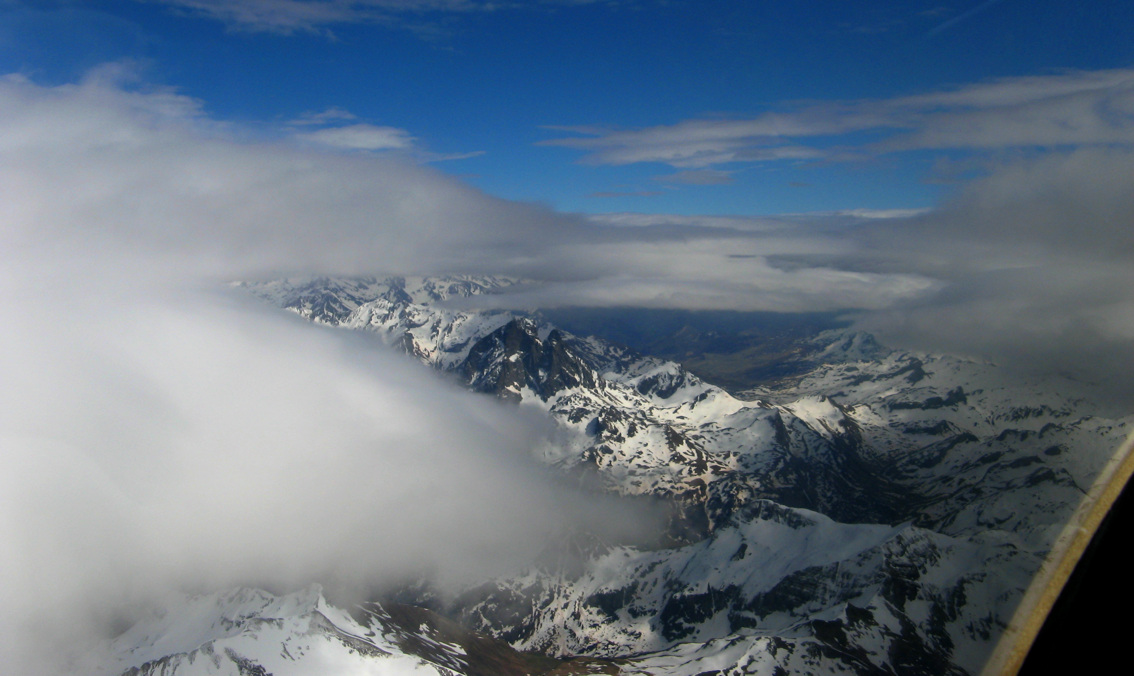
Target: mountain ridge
<point x="907" y="498"/>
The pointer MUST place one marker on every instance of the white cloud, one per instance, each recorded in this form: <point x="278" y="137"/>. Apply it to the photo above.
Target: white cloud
<point x="737" y="223"/>
<point x="707" y="265"/>
<point x="157" y="432"/>
<point x="329" y="116"/>
<point x="92" y="164"/>
<point x="360" y="137"/>
<point x="1081" y="108"/>
<point x="1036" y="262"/>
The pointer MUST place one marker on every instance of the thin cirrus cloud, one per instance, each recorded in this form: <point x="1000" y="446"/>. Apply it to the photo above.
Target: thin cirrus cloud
<point x="693" y="144"/>
<point x="315" y="16"/>
<point x="1066" y="109"/>
<point x="698" y="177"/>
<point x="946" y="25"/>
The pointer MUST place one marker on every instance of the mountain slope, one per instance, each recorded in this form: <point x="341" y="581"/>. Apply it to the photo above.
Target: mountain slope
<point x="879" y="512"/>
<point x="249" y="632"/>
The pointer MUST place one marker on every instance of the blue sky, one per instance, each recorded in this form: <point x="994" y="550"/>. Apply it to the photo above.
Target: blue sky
<point x="507" y="98"/>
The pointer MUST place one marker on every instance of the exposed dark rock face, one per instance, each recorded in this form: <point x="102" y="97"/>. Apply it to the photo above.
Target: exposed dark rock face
<point x="513" y="358"/>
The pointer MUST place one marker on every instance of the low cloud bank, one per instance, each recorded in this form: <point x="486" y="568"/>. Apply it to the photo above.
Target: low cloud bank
<point x="1037" y="269"/>
<point x="159" y="432"/>
<point x="184" y="440"/>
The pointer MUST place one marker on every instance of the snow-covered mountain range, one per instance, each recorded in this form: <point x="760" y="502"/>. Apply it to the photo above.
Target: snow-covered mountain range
<point x="881" y="513"/>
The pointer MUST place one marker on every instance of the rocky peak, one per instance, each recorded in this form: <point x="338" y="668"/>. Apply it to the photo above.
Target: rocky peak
<point x="512" y="359"/>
